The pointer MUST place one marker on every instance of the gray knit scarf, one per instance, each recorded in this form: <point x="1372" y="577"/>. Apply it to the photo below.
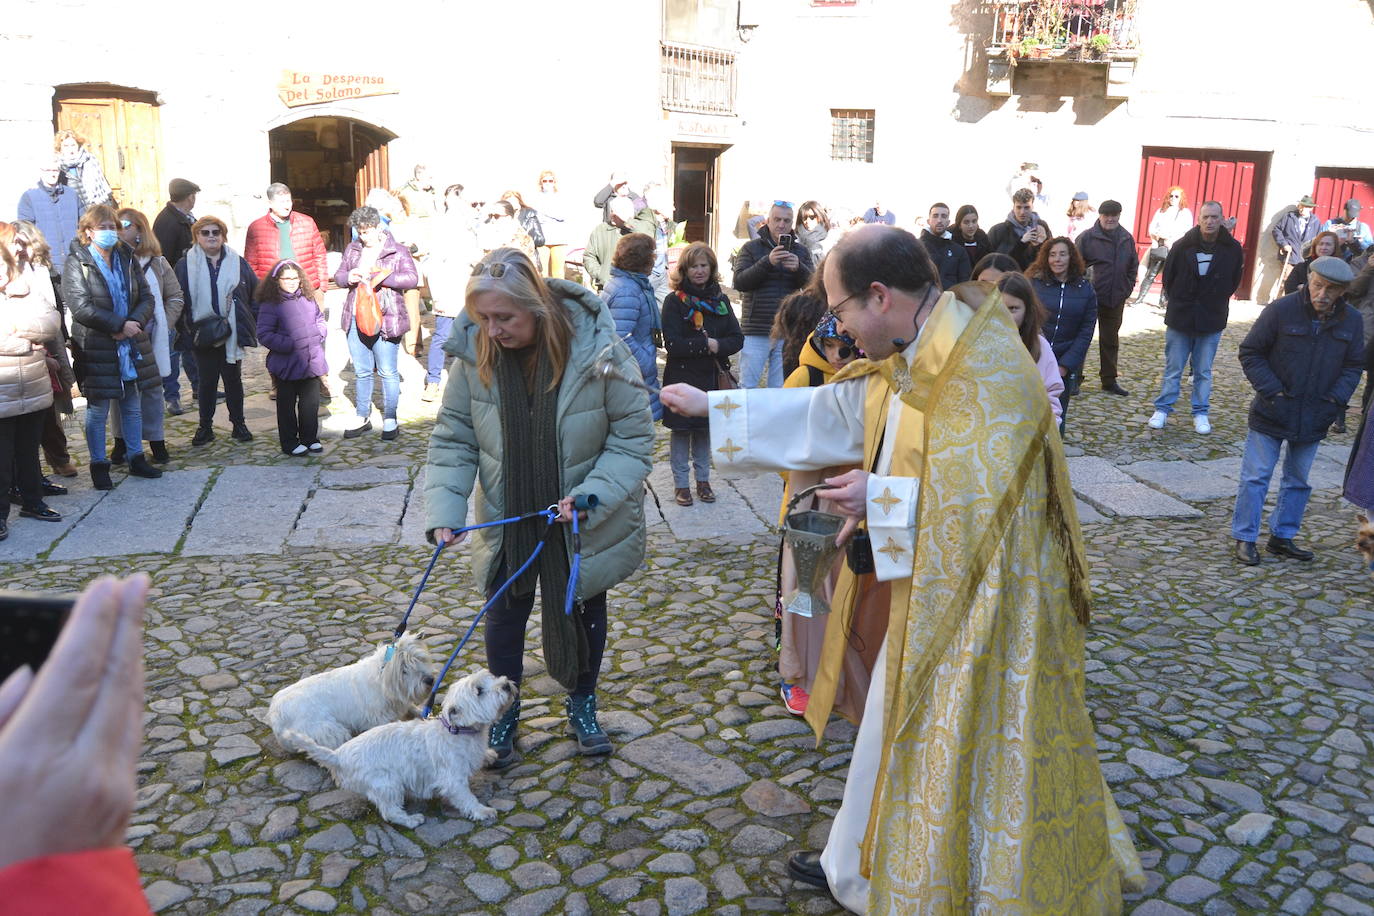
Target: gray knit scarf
<point x="529" y="434"/>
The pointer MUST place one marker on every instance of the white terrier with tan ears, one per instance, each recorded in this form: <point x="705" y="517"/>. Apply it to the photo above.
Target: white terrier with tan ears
<point x="425" y="758"/>
<point x="330" y="707"/>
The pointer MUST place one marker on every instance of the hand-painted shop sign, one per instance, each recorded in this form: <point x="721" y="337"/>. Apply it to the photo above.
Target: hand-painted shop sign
<point x="297" y="88"/>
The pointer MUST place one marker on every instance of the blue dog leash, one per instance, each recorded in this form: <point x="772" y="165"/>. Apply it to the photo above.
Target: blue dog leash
<point x="581" y="503"/>
<point x="405" y="618"/>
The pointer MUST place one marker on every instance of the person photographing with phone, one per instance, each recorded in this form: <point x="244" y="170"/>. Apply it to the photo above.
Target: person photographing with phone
<point x="767" y="268"/>
<point x="1022" y="233"/>
<point x="69" y="740"/>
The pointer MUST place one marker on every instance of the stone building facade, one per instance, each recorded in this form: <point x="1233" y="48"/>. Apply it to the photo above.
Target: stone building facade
<point x="733" y="103"/>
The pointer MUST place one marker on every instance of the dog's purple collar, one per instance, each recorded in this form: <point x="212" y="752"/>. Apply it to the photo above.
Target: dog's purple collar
<point x="456" y="729"/>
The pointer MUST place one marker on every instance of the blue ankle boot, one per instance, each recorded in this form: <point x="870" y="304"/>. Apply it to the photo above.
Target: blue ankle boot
<point x="591" y="739"/>
<point x="501" y="739"/>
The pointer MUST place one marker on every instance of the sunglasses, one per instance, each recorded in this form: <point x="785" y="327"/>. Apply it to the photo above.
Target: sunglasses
<point x="210" y="233"/>
<point x="548" y="181"/>
<point x="783" y="203"/>
<point x="496" y="270"/>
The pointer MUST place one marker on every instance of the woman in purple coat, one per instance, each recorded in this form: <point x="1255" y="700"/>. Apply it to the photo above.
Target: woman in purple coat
<point x="376" y="258"/>
<point x="292" y="328"/>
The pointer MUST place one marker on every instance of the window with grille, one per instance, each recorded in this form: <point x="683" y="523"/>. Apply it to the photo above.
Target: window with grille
<point x="851" y="134"/>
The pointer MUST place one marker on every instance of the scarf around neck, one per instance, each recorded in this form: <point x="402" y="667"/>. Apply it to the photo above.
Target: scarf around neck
<point x="117" y="281"/>
<point x="532" y="476"/>
<point x="198" y="273"/>
<point x="1034" y="220"/>
<point x="702" y="302"/>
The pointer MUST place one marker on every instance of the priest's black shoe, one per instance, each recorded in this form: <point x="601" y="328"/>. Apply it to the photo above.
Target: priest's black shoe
<point x="40" y="512"/>
<point x="1247" y="554"/>
<point x="806" y="868"/>
<point x="53" y="489"/>
<point x="1116" y="389"/>
<point x="1284" y="547"/>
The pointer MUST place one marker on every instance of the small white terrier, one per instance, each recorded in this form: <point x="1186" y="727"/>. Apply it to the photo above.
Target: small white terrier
<point x="428" y="757"/>
<point x="330" y="707"/>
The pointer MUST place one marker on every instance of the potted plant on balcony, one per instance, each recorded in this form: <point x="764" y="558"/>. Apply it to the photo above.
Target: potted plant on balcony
<point x="1099" y="45"/>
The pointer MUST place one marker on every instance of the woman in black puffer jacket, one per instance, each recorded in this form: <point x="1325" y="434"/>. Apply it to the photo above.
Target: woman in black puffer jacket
<point x="111" y="305"/>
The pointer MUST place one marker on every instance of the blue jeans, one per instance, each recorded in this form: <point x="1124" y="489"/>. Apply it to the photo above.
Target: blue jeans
<point x="130" y="414"/>
<point x="437" y="357"/>
<point x="377" y="354"/>
<point x="1180" y="349"/>
<point x="171" y="383"/>
<point x="1256" y="467"/>
<point x="761" y="353"/>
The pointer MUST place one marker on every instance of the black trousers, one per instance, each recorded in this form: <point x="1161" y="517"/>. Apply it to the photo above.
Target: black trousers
<point x="505" y="635"/>
<point x="214" y="367"/>
<point x="19" y="438"/>
<point x="1071" y="384"/>
<point x="298" y="412"/>
<point x="1109" y="339"/>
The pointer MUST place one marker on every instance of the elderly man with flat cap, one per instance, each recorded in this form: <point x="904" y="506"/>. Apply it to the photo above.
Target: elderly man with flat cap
<point x="1303" y="357"/>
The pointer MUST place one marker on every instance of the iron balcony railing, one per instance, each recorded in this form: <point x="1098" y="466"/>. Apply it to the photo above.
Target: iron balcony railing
<point x="1073" y="29"/>
<point x="696" y="79"/>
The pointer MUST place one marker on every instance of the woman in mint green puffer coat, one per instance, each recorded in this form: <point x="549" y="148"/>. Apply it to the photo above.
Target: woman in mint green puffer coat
<point x="532" y="416"/>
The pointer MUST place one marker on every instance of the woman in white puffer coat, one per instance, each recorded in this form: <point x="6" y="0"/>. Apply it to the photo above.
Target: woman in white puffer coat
<point x="25" y="386"/>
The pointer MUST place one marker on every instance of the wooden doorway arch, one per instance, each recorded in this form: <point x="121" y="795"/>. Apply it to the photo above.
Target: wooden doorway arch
<point x="330" y="163"/>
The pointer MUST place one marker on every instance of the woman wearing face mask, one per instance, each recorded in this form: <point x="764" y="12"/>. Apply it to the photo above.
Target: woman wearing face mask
<point x="111" y="305"/>
<point x="135" y="232"/>
<point x="81" y="171"/>
<point x="700" y="333"/>
<point x="218" y="284"/>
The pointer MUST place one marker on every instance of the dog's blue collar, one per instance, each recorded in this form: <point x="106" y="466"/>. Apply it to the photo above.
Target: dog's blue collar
<point x="456" y="729"/>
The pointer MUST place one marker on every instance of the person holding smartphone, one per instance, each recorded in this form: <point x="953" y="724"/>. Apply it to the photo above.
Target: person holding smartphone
<point x="767" y="268"/>
<point x="1022" y="233"/>
<point x="69" y="740"/>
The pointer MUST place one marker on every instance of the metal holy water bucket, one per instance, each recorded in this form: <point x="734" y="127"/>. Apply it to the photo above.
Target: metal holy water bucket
<point x="811" y="535"/>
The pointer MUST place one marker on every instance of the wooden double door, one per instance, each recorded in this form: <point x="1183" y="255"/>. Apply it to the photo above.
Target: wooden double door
<point x="123" y="131"/>
<point x="1234" y="178"/>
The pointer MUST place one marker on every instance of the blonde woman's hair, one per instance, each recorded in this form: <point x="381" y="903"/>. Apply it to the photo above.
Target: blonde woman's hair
<point x="521" y="283"/>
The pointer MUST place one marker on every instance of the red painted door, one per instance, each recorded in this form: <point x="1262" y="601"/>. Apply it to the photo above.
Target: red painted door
<point x="1233" y="178"/>
<point x="1334" y="187"/>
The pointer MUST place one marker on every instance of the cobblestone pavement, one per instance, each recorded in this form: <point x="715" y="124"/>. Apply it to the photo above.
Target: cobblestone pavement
<point x="1234" y="706"/>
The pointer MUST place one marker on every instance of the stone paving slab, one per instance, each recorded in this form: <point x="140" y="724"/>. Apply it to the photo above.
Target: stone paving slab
<point x="1185" y="479"/>
<point x="137" y="516"/>
<point x="351" y="518"/>
<point x="271" y="497"/>
<point x="763" y="492"/>
<point x="29" y="539"/>
<point x="721" y="520"/>
<point x="364" y="476"/>
<point x="1109" y="490"/>
<point x="1087" y="515"/>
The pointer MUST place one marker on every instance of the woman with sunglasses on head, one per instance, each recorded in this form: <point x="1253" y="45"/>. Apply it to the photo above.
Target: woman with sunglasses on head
<point x="544" y="406"/>
<point x="553" y="218"/>
<point x="111" y="306"/>
<point x="168" y="299"/>
<point x="218" y="286"/>
<point x="375" y="259"/>
<point x="1170" y="223"/>
<point x="293" y="329"/>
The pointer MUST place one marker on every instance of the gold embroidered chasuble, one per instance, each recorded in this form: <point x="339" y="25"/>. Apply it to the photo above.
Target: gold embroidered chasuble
<point x="990" y="796"/>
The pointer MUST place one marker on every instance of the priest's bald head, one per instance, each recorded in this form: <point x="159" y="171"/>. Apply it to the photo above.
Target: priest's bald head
<point x="880" y="285"/>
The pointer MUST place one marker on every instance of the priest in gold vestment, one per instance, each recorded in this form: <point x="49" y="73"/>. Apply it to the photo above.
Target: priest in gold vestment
<point x="975" y="785"/>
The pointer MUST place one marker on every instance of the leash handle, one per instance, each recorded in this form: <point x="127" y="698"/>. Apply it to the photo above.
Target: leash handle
<point x="575" y="566"/>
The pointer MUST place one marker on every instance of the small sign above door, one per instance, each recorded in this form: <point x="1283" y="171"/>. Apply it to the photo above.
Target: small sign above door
<point x="298" y="88"/>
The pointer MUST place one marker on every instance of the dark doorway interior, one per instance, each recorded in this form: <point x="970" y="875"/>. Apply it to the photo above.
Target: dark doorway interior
<point x="694" y="189"/>
<point x="330" y="164"/>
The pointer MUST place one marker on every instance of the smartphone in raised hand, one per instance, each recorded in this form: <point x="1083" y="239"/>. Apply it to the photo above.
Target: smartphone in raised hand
<point x="29" y="625"/>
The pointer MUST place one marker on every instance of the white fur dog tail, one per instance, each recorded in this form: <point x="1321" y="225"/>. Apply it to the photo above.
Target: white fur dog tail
<point x="316" y="752"/>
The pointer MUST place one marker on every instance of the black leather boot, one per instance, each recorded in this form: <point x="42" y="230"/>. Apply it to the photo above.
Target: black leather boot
<point x="1284" y="547"/>
<point x="160" y="454"/>
<point x="100" y="475"/>
<point x="139" y="467"/>
<point x="119" y="452"/>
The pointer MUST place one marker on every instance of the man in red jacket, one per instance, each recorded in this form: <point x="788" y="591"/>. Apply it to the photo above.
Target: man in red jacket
<point x="284" y="233"/>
